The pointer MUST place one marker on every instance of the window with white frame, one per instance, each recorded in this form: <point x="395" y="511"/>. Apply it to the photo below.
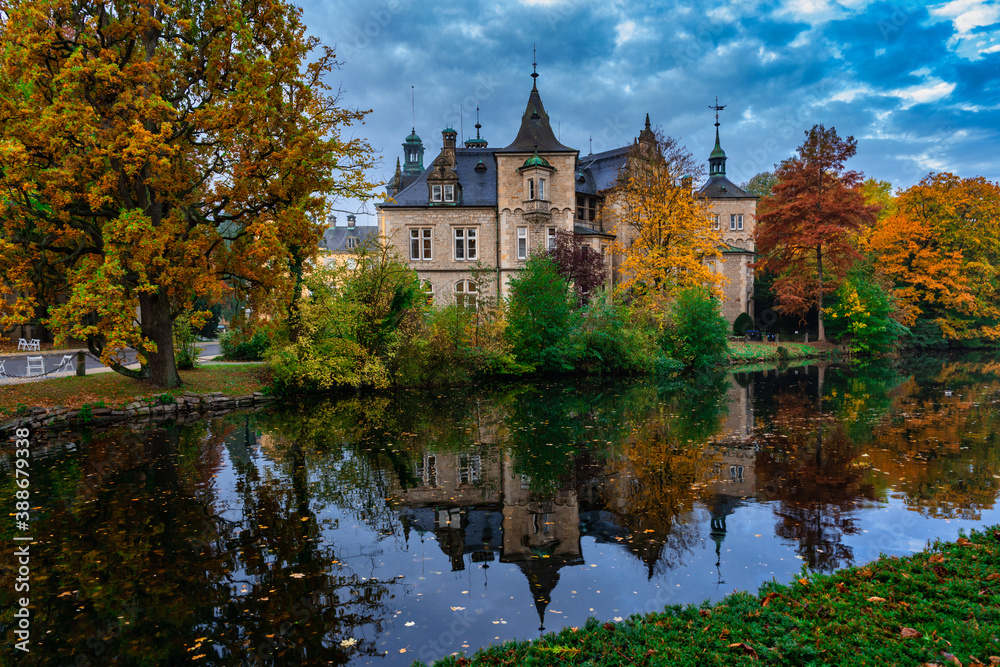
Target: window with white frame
<point x="739" y="222"/>
<point x="466" y="247"/>
<point x="551" y="236"/>
<point x="466" y="294"/>
<point x="449" y="193"/>
<point x="715" y="222"/>
<point x="435" y="193"/>
<point x="352" y="242"/>
<point x="732" y="222"/>
<point x="736" y="222"/>
<point x="531" y="188"/>
<point x="522" y="243"/>
<point x="420" y="244"/>
<point x="541" y="188"/>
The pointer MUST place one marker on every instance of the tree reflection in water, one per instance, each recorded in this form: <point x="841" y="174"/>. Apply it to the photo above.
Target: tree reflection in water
<point x="263" y="537"/>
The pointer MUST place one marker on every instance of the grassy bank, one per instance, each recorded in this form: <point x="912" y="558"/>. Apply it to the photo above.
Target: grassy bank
<point x="113" y="390"/>
<point x="744" y="353"/>
<point x="938" y="607"/>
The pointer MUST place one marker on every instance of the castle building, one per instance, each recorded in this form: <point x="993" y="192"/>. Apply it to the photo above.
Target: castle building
<point x="477" y="206"/>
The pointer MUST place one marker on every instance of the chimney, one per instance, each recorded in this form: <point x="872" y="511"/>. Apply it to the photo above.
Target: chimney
<point x="332" y="221"/>
<point x="351" y="221"/>
<point x="448" y="137"/>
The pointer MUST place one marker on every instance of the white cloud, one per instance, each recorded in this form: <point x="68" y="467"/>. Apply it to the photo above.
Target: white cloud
<point x="924" y="93"/>
<point x="630" y="31"/>
<point x="966" y="16"/>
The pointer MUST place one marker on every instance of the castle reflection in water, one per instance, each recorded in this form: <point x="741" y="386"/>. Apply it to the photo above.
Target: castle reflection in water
<point x="481" y="509"/>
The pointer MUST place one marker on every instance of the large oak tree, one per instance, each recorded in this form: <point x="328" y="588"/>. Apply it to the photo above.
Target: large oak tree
<point x="805" y="229"/>
<point x="149" y="150"/>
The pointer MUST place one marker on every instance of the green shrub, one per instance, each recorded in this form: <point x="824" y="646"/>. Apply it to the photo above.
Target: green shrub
<point x="541" y="319"/>
<point x="186" y="353"/>
<point x="695" y="332"/>
<point x="236" y="347"/>
<point x="615" y="343"/>
<point x="742" y="323"/>
<point x="861" y="315"/>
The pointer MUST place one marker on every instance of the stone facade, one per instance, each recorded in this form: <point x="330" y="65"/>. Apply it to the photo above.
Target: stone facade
<point x="517" y="198"/>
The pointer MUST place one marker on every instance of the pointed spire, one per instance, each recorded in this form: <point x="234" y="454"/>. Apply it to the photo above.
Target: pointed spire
<point x="647" y="120"/>
<point x="535" y="129"/>
<point x="717" y="160"/>
<point x="534" y="69"/>
<point x="478" y="142"/>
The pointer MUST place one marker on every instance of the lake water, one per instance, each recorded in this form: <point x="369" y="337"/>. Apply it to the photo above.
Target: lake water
<point x="379" y="530"/>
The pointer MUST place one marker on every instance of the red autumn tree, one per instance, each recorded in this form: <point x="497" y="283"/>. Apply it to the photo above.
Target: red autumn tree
<point x="581" y="266"/>
<point x="806" y="227"/>
<point x="150" y="149"/>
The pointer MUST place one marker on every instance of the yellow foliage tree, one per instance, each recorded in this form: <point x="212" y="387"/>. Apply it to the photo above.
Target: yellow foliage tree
<point x="664" y="234"/>
<point x="941" y="248"/>
<point x="150" y="150"/>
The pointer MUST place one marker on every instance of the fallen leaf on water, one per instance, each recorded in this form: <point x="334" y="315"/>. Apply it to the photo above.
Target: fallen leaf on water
<point x="409" y="624"/>
<point x="457" y="608"/>
<point x="911" y="633"/>
<point x="402" y="650"/>
<point x="350" y="641"/>
<point x="296" y="575"/>
<point x="745" y="648"/>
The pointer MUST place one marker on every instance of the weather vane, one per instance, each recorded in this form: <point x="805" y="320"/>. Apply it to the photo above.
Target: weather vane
<point x="717" y="108"/>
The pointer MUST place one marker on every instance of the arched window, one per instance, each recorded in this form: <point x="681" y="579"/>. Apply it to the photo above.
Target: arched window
<point x="466" y="294"/>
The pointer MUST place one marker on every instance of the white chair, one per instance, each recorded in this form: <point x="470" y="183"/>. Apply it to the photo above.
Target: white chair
<point x="35" y="344"/>
<point x="3" y="371"/>
<point x="66" y="363"/>
<point x="36" y="364"/>
<point x="22" y="344"/>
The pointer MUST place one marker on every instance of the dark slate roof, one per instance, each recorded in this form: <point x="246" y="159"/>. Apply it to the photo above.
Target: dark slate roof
<point x="479" y="188"/>
<point x="335" y="238"/>
<point x="720" y="187"/>
<point x="584" y="230"/>
<point x="600" y="170"/>
<point x="535" y="131"/>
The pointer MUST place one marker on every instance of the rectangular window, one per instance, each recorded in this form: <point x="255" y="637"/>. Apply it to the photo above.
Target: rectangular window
<point x="420" y="244"/>
<point x="465" y="244"/>
<point x="581" y="207"/>
<point x="739" y="222"/>
<point x="552" y="238"/>
<point x="522" y="242"/>
<point x="732" y="222"/>
<point x="541" y="188"/>
<point x="715" y="222"/>
<point x="449" y="193"/>
<point x="531" y="188"/>
<point x="592" y="209"/>
<point x="435" y="193"/>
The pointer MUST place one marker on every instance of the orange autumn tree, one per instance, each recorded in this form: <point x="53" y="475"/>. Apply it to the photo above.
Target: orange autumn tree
<point x="805" y="229"/>
<point x="664" y="235"/>
<point x="150" y="149"/>
<point x="941" y="249"/>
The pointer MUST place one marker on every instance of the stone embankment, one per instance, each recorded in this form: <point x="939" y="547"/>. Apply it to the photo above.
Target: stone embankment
<point x="185" y="407"/>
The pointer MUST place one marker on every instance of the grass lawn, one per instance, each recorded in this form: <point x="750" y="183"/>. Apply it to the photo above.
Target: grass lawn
<point x="938" y="607"/>
<point x="116" y="390"/>
<point x="740" y="352"/>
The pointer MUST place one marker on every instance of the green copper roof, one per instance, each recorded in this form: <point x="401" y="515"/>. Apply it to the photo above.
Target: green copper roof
<point x="536" y="160"/>
<point x="413" y="138"/>
<point x="717" y="151"/>
<point x="448" y="129"/>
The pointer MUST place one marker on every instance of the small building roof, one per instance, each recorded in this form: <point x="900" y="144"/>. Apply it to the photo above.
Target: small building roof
<point x="720" y="187"/>
<point x="600" y="170"/>
<point x="535" y="133"/>
<point x="335" y="238"/>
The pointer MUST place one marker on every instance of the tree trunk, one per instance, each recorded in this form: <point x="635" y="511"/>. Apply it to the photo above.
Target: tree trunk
<point x="158" y="326"/>
<point x="819" y="297"/>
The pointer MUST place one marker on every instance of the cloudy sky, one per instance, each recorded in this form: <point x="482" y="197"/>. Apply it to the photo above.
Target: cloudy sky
<point x="916" y="83"/>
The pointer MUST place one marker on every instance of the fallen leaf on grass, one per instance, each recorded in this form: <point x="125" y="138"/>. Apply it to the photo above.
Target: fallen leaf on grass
<point x="840" y="587"/>
<point x="950" y="658"/>
<point x="992" y="577"/>
<point x="936" y="558"/>
<point x="767" y="599"/>
<point x="911" y="633"/>
<point x="745" y="648"/>
<point x="963" y="542"/>
<point x="875" y="598"/>
<point x="995" y="659"/>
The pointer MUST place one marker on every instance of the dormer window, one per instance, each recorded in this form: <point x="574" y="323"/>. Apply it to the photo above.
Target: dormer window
<point x="449" y="193"/>
<point x="435" y="193"/>
<point x="352" y="242"/>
